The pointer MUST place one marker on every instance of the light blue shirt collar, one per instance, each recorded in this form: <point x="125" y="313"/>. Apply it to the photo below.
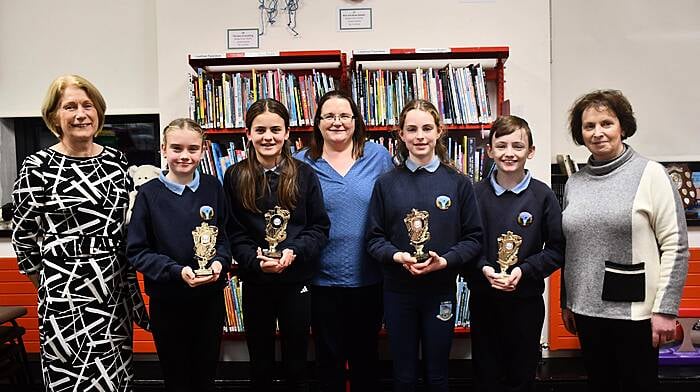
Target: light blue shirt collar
<point x="179" y="188"/>
<point x="522" y="185"/>
<point x="431" y="167"/>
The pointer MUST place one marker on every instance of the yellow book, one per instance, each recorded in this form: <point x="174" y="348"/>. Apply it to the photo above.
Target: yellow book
<point x="254" y="78"/>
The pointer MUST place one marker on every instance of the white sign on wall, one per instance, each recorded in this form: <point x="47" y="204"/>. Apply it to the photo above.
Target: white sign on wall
<point x="243" y="38"/>
<point x="352" y="19"/>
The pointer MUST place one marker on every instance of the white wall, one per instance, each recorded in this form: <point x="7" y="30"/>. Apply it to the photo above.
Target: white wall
<point x="111" y="43"/>
<point x="650" y="50"/>
<point x="522" y="25"/>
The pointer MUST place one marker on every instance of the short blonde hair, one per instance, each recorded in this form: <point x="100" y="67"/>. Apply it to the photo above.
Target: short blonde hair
<point x="49" y="107"/>
<point x="183" y="123"/>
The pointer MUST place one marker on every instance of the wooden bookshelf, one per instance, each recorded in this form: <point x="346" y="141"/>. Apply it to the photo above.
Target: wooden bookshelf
<point x="466" y="138"/>
<point x="493" y="60"/>
<point x="223" y="85"/>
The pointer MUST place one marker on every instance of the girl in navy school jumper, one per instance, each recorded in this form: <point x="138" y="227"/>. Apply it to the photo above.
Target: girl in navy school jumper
<point x="507" y="311"/>
<point x="187" y="312"/>
<point x="275" y="290"/>
<point x="419" y="297"/>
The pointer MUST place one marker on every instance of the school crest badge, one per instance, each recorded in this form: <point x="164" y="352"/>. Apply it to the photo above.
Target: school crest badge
<point x="445" y="311"/>
<point x="525" y="219"/>
<point x="443" y="202"/>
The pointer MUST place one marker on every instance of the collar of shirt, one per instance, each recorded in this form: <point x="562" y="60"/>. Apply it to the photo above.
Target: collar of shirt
<point x="179" y="188"/>
<point x="522" y="185"/>
<point x="431" y="166"/>
<point x="274" y="170"/>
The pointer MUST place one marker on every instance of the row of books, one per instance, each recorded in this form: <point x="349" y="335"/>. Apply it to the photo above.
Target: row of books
<point x="218" y="156"/>
<point x="459" y="93"/>
<point x="462" y="151"/>
<point x="221" y="102"/>
<point x="469" y="158"/>
<point x="233" y="300"/>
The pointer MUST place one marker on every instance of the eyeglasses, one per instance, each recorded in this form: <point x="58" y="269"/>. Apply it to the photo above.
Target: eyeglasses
<point x="344" y="118"/>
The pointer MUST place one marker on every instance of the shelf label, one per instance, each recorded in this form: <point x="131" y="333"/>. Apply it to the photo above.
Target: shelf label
<point x="371" y="51"/>
<point x="433" y="50"/>
<point x="208" y="56"/>
<point x="268" y="53"/>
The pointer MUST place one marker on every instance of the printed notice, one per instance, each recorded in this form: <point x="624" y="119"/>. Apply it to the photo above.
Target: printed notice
<point x="243" y="39"/>
<point x="355" y="19"/>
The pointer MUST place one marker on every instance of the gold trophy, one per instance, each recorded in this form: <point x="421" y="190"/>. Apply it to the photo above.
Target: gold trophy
<point x="508" y="247"/>
<point x="418" y="234"/>
<point x="204" y="237"/>
<point x="275" y="230"/>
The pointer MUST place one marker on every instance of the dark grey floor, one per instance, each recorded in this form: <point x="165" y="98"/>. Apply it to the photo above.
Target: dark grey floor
<point x="554" y="374"/>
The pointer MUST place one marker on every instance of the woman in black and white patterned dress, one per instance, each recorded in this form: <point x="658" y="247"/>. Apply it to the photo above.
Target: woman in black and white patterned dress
<point x="74" y="196"/>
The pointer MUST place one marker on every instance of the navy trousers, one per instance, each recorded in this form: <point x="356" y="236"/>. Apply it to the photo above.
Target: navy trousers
<point x="505" y="333"/>
<point x="264" y="308"/>
<point x="420" y="319"/>
<point x="346" y="323"/>
<point x="187" y="334"/>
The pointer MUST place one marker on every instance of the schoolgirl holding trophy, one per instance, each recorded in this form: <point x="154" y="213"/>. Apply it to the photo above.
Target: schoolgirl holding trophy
<point x="277" y="228"/>
<point x="176" y="238"/>
<point x="423" y="227"/>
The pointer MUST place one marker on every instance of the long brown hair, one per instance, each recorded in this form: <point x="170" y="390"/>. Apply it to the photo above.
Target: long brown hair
<point x="252" y="181"/>
<point x="358" y="137"/>
<point x="440" y="148"/>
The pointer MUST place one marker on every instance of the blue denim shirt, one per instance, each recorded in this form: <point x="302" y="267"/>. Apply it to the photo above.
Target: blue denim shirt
<point x="344" y="260"/>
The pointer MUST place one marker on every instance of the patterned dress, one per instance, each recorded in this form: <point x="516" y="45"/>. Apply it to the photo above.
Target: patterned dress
<point x="77" y="207"/>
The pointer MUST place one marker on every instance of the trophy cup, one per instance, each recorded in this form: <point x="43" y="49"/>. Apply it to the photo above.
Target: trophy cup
<point x="204" y="237"/>
<point x="275" y="230"/>
<point x="508" y="246"/>
<point x="418" y="234"/>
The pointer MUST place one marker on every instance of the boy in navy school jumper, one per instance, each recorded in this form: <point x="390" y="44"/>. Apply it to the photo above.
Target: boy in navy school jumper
<point x="187" y="312"/>
<point x="419" y="297"/>
<point x="507" y="311"/>
<point x="275" y="289"/>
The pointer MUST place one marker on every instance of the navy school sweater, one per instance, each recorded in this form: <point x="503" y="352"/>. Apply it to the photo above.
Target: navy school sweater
<point x="455" y="233"/>
<point x="159" y="239"/>
<point x="307" y="229"/>
<point x="542" y="249"/>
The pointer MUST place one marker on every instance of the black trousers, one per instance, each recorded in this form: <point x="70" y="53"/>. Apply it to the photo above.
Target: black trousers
<point x="505" y="334"/>
<point x="618" y="354"/>
<point x="425" y="319"/>
<point x="345" y="323"/>
<point x="265" y="307"/>
<point x="187" y="334"/>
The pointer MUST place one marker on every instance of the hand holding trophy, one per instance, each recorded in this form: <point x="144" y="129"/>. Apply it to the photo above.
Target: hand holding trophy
<point x="275" y="230"/>
<point x="204" y="237"/>
<point x="418" y="234"/>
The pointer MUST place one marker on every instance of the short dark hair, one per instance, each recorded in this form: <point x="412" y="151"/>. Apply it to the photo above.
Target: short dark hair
<point x="505" y="125"/>
<point x="358" y="136"/>
<point x="612" y="100"/>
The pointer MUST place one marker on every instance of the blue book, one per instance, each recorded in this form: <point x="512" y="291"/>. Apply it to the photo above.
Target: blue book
<point x="216" y="154"/>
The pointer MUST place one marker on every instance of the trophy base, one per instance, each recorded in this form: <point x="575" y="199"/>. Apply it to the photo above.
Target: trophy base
<point x="201" y="272"/>
<point x="273" y="255"/>
<point x="421" y="257"/>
